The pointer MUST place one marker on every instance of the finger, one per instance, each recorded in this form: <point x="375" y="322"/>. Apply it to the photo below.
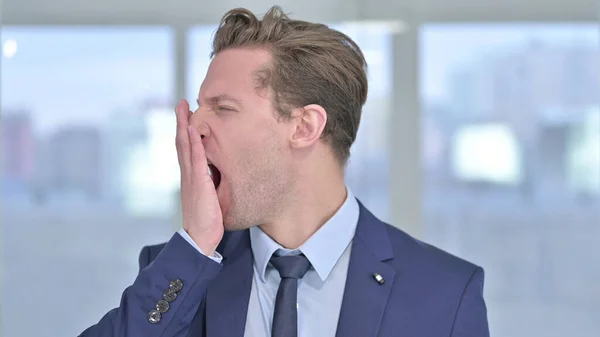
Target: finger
<point x="199" y="166"/>
<point x="182" y="141"/>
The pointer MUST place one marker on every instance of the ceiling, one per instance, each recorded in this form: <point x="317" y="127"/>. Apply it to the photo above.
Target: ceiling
<point x="187" y="12"/>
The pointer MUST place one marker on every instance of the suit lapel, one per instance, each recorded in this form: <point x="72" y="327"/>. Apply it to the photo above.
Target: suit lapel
<point x="228" y="296"/>
<point x="365" y="299"/>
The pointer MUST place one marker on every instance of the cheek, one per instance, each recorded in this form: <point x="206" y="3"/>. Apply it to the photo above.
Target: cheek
<point x="259" y="149"/>
<point x="252" y="143"/>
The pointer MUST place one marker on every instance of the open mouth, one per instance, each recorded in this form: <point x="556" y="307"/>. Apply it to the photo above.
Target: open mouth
<point x="215" y="174"/>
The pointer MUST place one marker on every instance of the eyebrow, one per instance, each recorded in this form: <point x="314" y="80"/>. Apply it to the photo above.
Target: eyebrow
<point x="220" y="98"/>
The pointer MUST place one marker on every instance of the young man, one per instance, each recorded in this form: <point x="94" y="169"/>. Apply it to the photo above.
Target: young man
<point x="273" y="243"/>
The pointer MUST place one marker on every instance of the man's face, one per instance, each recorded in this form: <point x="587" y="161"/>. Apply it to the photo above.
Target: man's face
<point x="246" y="142"/>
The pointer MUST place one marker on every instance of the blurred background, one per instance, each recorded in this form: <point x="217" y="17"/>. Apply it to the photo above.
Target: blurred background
<point x="481" y="135"/>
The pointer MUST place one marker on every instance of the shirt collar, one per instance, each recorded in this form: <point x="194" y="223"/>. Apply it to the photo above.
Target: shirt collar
<point x="323" y="249"/>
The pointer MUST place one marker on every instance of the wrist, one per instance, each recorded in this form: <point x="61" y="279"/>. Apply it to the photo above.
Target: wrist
<point x="207" y="241"/>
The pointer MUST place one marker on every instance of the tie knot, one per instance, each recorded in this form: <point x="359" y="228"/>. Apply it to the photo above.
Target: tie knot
<point x="291" y="266"/>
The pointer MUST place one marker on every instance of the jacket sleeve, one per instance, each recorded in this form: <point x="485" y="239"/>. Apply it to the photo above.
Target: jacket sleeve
<point x="471" y="319"/>
<point x="174" y="283"/>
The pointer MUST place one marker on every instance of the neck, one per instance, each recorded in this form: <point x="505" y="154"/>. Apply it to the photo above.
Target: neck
<point x="317" y="197"/>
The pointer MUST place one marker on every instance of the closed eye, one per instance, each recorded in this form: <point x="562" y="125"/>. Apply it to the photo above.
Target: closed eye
<point x="225" y="109"/>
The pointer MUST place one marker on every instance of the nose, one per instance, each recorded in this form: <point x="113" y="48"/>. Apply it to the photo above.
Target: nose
<point x="203" y="129"/>
<point x="200" y="124"/>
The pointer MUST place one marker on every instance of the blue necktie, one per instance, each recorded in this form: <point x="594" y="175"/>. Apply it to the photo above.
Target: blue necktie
<point x="285" y="315"/>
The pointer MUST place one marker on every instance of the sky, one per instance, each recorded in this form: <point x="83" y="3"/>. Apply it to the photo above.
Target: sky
<point x="84" y="75"/>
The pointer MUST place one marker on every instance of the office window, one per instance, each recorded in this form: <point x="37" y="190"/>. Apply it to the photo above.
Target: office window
<point x="367" y="173"/>
<point x="511" y="127"/>
<point x="86" y="173"/>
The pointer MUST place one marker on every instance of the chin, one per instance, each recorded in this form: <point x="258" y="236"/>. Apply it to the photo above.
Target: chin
<point x="234" y="221"/>
<point x="231" y="226"/>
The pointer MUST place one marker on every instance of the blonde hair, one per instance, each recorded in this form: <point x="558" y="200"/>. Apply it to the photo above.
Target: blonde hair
<point x="312" y="64"/>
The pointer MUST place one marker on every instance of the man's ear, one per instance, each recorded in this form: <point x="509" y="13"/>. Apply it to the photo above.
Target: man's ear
<point x="309" y="122"/>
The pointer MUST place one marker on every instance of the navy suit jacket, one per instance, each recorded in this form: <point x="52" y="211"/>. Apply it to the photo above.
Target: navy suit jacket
<point x="427" y="292"/>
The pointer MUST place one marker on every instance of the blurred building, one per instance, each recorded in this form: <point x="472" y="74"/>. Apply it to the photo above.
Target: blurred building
<point x="124" y="131"/>
<point x="540" y="92"/>
<point x="18" y="152"/>
<point x="139" y="153"/>
<point x="70" y="164"/>
<point x="584" y="157"/>
<point x="528" y="84"/>
<point x="150" y="172"/>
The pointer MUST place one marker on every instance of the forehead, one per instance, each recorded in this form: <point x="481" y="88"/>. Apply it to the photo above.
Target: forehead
<point x="233" y="72"/>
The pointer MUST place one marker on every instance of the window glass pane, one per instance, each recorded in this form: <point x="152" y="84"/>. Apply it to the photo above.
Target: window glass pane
<point x="87" y="116"/>
<point x="199" y="49"/>
<point x="367" y="172"/>
<point x="511" y="134"/>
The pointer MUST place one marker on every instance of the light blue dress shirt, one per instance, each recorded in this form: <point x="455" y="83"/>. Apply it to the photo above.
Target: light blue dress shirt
<point x="321" y="290"/>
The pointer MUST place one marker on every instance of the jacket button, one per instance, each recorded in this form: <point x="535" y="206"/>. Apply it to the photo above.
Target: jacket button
<point x="162" y="306"/>
<point x="154" y="316"/>
<point x="169" y="295"/>
<point x="176" y="285"/>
